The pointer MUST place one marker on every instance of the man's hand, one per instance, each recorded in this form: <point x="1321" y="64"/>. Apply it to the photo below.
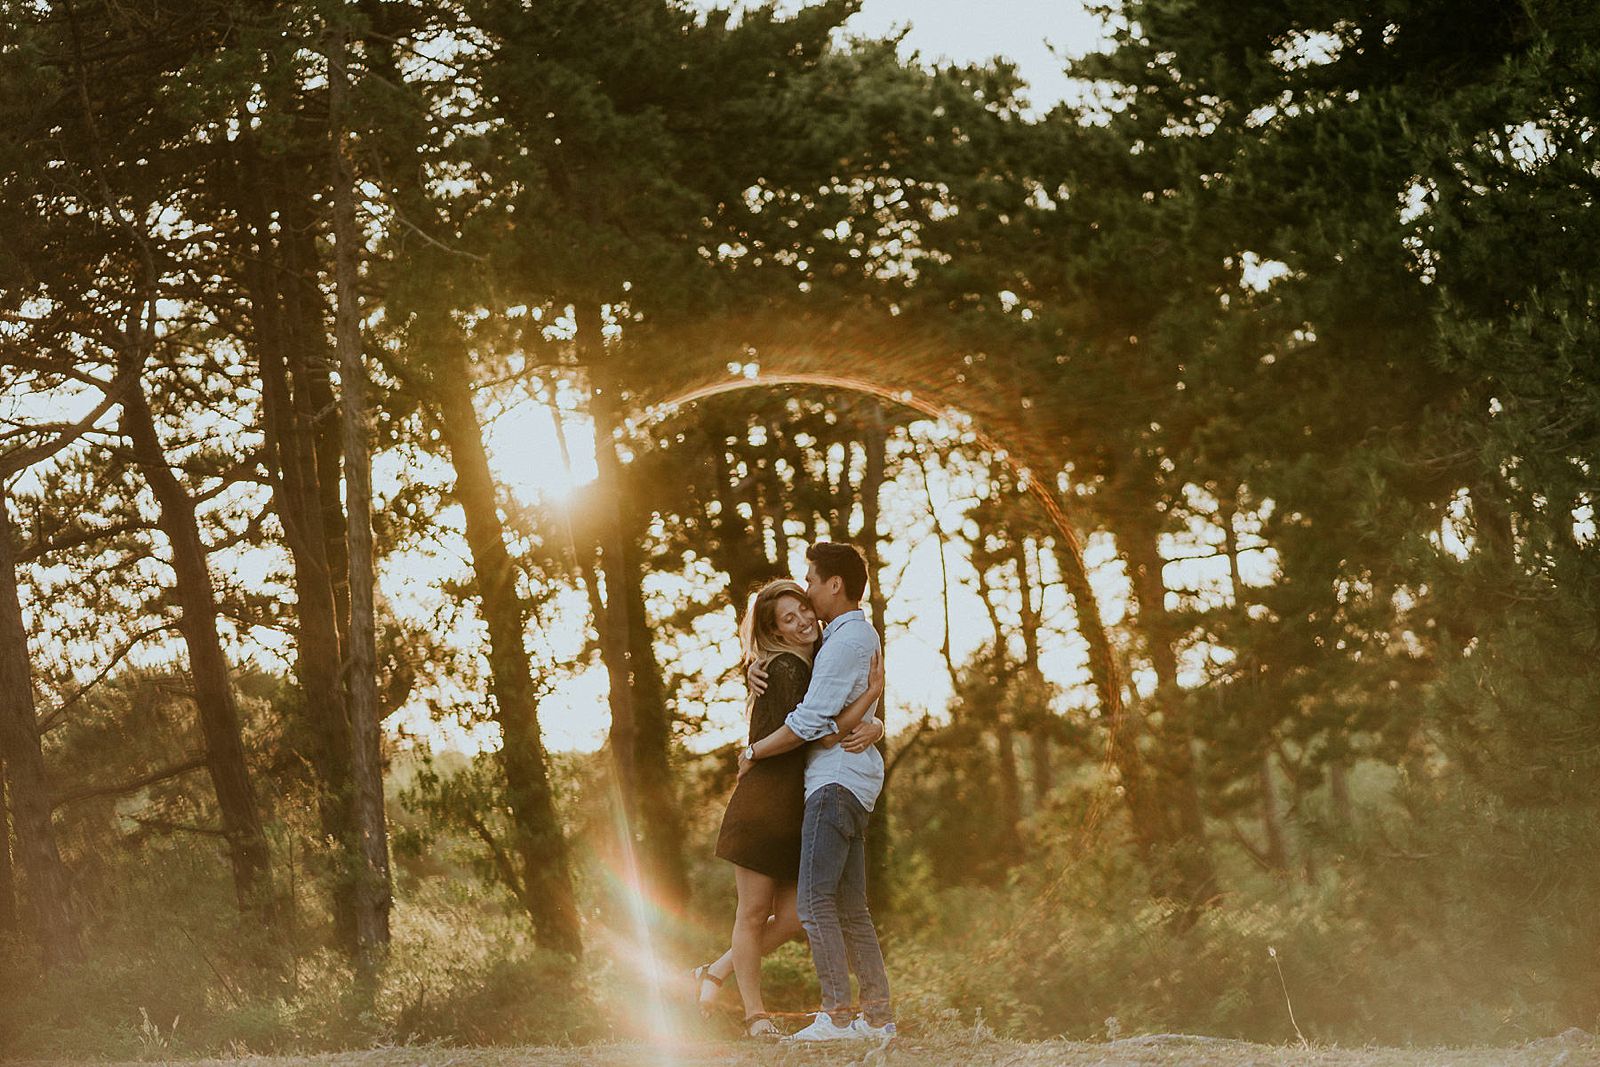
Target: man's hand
<point x="756" y="676"/>
<point x="745" y="765"/>
<point x="864" y="736"/>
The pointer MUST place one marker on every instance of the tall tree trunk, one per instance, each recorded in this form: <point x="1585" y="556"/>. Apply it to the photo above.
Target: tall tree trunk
<point x="322" y="728"/>
<point x="737" y="549"/>
<point x="1339" y="789"/>
<point x="1147" y="819"/>
<point x="656" y="819"/>
<point x="876" y="444"/>
<point x="943" y="540"/>
<point x="652" y="753"/>
<point x="1040" y="727"/>
<point x="215" y="702"/>
<point x="545" y="878"/>
<point x="615" y="649"/>
<point x="641" y="728"/>
<point x="1271" y="816"/>
<point x="1191" y="856"/>
<point x="1277" y="853"/>
<point x="8" y="873"/>
<point x="310" y="363"/>
<point x="1008" y="792"/>
<point x="373" y="891"/>
<point x="1008" y="783"/>
<point x="27" y="784"/>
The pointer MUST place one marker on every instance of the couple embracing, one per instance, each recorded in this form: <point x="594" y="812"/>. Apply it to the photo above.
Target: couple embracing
<point x="796" y="825"/>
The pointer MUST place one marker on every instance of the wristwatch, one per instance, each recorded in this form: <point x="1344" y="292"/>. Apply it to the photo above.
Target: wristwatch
<point x="749" y="753"/>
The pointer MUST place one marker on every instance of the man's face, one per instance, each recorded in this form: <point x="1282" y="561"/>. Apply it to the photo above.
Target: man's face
<point x="820" y="592"/>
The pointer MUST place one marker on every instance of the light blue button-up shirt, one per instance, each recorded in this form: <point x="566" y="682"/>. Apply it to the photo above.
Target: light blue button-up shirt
<point x="838" y="676"/>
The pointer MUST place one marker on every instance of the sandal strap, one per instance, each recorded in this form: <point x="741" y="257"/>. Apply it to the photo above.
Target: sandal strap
<point x="703" y="973"/>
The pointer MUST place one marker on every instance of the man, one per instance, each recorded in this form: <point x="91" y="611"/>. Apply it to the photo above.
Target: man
<point x="841" y="788"/>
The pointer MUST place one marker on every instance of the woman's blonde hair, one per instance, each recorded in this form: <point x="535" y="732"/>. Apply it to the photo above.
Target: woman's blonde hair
<point x="758" y="633"/>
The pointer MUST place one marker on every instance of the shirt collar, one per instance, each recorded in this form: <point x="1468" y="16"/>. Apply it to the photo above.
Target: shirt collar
<point x="854" y="613"/>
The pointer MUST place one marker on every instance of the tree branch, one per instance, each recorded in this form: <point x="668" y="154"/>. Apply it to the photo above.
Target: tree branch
<point x="905" y="747"/>
<point x="121" y="654"/>
<point x="87" y="792"/>
<point x="23" y="458"/>
<point x="44" y="546"/>
<point x="169" y="826"/>
<point x="502" y="862"/>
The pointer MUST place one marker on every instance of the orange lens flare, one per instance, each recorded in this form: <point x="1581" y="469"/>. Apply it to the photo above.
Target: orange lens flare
<point x="1035" y="448"/>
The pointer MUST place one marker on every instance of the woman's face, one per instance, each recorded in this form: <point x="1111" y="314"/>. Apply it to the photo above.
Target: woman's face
<point x="796" y="621"/>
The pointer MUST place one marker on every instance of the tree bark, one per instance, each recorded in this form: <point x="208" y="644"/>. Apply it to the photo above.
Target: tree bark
<point x="1008" y="784"/>
<point x="310" y="363"/>
<point x="215" y="702"/>
<point x="27" y="783"/>
<point x="1039" y="729"/>
<point x="879" y="842"/>
<point x="1147" y="819"/>
<point x="1277" y="855"/>
<point x="321" y="726"/>
<point x="1008" y="792"/>
<point x="652" y="753"/>
<point x="615" y="649"/>
<point x="373" y="892"/>
<point x="1339" y="789"/>
<point x="546" y="878"/>
<point x="737" y="549"/>
<point x="943" y="540"/>
<point x="641" y="727"/>
<point x="1277" y="851"/>
<point x="1195" y="876"/>
<point x="8" y="873"/>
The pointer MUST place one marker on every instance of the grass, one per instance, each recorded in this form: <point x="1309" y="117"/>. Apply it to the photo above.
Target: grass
<point x="969" y="1049"/>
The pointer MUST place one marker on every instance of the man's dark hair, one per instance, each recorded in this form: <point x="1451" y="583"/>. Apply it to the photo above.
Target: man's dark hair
<point x="834" y="560"/>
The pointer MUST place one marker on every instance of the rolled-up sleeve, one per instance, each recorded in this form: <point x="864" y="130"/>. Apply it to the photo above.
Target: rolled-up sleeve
<point x="838" y="666"/>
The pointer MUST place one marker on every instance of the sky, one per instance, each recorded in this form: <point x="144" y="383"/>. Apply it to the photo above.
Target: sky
<point x="971" y="30"/>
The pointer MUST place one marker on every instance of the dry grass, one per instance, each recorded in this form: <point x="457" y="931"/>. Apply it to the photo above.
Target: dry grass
<point x="963" y="1050"/>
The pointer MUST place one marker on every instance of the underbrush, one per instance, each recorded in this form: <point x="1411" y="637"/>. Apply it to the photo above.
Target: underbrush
<point x="462" y="970"/>
<point x="1333" y="962"/>
<point x="1058" y="951"/>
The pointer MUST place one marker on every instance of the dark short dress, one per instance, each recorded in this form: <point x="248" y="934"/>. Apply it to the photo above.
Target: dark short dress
<point x="761" y="828"/>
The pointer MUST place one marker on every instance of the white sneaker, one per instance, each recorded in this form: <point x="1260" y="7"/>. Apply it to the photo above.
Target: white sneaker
<point x="823" y="1028"/>
<point x="883" y="1034"/>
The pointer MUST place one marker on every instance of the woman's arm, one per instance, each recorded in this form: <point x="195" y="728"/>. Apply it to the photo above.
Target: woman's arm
<point x="857" y="709"/>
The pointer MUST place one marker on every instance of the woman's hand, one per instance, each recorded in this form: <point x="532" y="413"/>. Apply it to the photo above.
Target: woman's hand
<point x="875" y="674"/>
<point x="864" y="736"/>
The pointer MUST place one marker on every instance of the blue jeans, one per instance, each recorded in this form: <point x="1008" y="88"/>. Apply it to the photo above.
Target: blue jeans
<point x="832" y="899"/>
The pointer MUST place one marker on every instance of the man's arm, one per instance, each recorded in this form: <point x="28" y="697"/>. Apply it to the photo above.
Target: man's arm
<point x="831" y="678"/>
<point x="858" y="709"/>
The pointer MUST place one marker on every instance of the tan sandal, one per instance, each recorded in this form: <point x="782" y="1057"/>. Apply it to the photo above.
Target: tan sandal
<point x="760" y="1027"/>
<point x="701" y="975"/>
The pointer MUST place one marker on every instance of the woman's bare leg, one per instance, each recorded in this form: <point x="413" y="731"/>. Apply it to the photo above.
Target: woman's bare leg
<point x="755" y="905"/>
<point x="782" y="926"/>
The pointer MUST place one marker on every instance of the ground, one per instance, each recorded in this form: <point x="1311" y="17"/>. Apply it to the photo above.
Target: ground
<point x="963" y="1050"/>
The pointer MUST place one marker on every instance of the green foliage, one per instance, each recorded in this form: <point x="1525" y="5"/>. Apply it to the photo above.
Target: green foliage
<point x="463" y="970"/>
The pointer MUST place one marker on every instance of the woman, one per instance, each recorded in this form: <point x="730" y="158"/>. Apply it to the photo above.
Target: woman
<point x="761" y="829"/>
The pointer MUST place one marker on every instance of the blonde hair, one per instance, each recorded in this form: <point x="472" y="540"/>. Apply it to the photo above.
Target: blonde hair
<point x="759" y="638"/>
